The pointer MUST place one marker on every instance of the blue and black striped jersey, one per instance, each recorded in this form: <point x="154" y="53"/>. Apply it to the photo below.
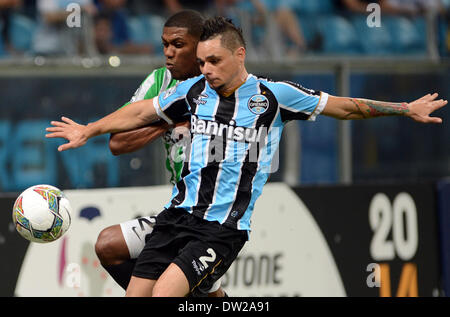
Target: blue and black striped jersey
<point x="233" y="142"/>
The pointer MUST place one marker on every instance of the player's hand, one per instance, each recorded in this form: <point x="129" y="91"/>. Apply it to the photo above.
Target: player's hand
<point x="69" y="130"/>
<point x="420" y="109"/>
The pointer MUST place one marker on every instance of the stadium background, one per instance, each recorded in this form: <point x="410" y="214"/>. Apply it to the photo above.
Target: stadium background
<point x="337" y="170"/>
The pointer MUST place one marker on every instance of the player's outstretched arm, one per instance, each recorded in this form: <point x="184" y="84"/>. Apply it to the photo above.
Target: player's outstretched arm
<point x="355" y="108"/>
<point x="133" y="116"/>
<point x="133" y="140"/>
<point x="130" y="141"/>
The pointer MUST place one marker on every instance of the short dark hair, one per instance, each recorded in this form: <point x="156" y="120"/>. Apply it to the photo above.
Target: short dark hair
<point x="232" y="37"/>
<point x="190" y="19"/>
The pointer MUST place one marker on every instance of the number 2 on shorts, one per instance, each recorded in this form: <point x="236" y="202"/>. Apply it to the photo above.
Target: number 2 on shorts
<point x="211" y="258"/>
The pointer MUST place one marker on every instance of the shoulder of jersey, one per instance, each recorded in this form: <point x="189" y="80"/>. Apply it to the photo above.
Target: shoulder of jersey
<point x="288" y="83"/>
<point x="151" y="78"/>
<point x="159" y="71"/>
<point x="267" y="80"/>
<point x="187" y="83"/>
<point x="263" y="78"/>
<point x="167" y="73"/>
<point x="181" y="86"/>
<point x="193" y="79"/>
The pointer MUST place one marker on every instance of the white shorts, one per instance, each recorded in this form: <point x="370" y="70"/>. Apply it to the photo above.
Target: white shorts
<point x="134" y="232"/>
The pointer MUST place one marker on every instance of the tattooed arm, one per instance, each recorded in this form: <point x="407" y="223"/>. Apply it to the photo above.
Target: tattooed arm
<point x="356" y="108"/>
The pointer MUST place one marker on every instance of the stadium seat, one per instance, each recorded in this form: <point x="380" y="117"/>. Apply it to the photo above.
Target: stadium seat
<point x="146" y="29"/>
<point x="339" y="35"/>
<point x="408" y="36"/>
<point x="21" y="32"/>
<point x="153" y="27"/>
<point x="2" y="52"/>
<point x="308" y="25"/>
<point x="5" y="134"/>
<point x="373" y="40"/>
<point x="319" y="149"/>
<point x="313" y="7"/>
<point x="36" y="162"/>
<point x="443" y="26"/>
<point x="136" y="29"/>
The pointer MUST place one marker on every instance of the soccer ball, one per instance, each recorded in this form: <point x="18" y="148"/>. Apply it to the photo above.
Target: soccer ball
<point x="41" y="213"/>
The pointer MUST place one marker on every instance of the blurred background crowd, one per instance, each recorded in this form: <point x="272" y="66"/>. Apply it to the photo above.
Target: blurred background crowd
<point x="276" y="29"/>
<point x="48" y="68"/>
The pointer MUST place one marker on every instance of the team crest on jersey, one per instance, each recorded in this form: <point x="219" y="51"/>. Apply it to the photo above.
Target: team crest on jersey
<point x="200" y="100"/>
<point x="258" y="104"/>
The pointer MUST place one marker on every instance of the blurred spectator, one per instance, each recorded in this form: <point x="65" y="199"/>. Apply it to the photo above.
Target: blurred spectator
<point x="283" y="34"/>
<point x="105" y="43"/>
<point x="288" y="23"/>
<point x="139" y="7"/>
<point x="29" y="8"/>
<point x="401" y="7"/>
<point x="447" y="40"/>
<point x="103" y="34"/>
<point x="53" y="36"/>
<point x="6" y="8"/>
<point x="111" y="30"/>
<point x="228" y="8"/>
<point x="174" y="6"/>
<point x="414" y="6"/>
<point x="356" y="6"/>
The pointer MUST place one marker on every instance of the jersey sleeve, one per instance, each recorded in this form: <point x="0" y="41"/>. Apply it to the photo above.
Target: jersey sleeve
<point x="149" y="88"/>
<point x="299" y="103"/>
<point x="171" y="105"/>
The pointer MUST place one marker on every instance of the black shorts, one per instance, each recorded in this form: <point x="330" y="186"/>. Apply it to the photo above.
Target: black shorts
<point x="204" y="250"/>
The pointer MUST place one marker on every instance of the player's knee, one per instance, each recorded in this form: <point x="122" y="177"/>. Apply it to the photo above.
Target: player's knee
<point x="109" y="248"/>
<point x="165" y="291"/>
<point x="160" y="292"/>
<point x="172" y="283"/>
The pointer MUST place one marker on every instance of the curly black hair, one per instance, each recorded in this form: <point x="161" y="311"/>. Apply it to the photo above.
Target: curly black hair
<point x="190" y="19"/>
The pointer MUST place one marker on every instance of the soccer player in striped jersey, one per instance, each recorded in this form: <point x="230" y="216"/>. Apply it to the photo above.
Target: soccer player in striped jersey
<point x="236" y="124"/>
<point x="118" y="246"/>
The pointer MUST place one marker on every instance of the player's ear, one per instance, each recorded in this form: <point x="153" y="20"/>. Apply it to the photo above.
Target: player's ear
<point x="240" y="53"/>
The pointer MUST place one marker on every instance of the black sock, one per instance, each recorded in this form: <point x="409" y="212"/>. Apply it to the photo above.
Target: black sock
<point x="121" y="273"/>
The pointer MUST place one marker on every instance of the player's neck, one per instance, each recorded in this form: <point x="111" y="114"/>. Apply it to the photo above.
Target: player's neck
<point x="235" y="84"/>
<point x="191" y="75"/>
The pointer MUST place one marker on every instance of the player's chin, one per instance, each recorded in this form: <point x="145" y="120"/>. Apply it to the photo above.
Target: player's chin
<point x="215" y="84"/>
<point x="175" y="73"/>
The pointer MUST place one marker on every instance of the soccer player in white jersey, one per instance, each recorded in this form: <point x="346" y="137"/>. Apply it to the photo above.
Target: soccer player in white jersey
<point x="201" y="230"/>
<point x="118" y="246"/>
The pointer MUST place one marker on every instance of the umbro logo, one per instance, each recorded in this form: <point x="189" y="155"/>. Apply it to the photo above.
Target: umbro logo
<point x="200" y="99"/>
<point x="197" y="267"/>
